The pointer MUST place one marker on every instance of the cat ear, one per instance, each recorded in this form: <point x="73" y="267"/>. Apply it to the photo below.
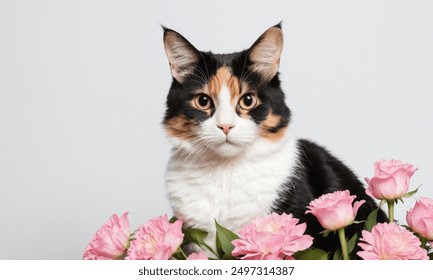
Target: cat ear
<point x="181" y="54"/>
<point x="266" y="51"/>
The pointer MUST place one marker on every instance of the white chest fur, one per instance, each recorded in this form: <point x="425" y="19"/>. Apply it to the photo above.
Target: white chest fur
<point x="231" y="191"/>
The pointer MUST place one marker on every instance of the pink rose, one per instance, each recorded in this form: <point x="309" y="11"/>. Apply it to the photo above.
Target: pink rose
<point x="335" y="210"/>
<point x="197" y="256"/>
<point x="272" y="237"/>
<point x="158" y="239"/>
<point x="391" y="179"/>
<point x="420" y="217"/>
<point x="110" y="241"/>
<point x="390" y="242"/>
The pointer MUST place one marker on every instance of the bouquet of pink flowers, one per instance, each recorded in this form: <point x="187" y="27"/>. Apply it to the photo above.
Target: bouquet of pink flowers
<point x="279" y="237"/>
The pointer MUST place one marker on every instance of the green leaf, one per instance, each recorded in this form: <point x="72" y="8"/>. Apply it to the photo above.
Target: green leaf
<point x="337" y="255"/>
<point x="179" y="255"/>
<point x="407" y="227"/>
<point x="172" y="220"/>
<point x="228" y="257"/>
<point x="197" y="236"/>
<point x="410" y="194"/>
<point x="371" y="220"/>
<point x="224" y="238"/>
<point x="194" y="235"/>
<point x="326" y="232"/>
<point x="430" y="256"/>
<point x="311" y="254"/>
<point x="352" y="243"/>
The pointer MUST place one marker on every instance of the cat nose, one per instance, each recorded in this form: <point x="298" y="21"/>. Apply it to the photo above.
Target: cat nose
<point x="225" y="128"/>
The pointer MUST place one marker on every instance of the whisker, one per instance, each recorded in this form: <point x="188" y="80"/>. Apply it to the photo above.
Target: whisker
<point x="205" y="77"/>
<point x="201" y="76"/>
<point x="243" y="67"/>
<point x="249" y="72"/>
<point x="188" y="158"/>
<point x="205" y="65"/>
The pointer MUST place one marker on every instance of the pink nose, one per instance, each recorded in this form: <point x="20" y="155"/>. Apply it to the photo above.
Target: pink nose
<point x="225" y="128"/>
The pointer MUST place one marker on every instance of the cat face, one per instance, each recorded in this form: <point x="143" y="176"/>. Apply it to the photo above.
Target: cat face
<point x="225" y="103"/>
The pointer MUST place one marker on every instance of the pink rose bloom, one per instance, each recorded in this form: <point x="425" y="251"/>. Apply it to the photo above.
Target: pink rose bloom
<point x="197" y="256"/>
<point x="335" y="210"/>
<point x="272" y="237"/>
<point x="110" y="241"/>
<point x="158" y="239"/>
<point x="390" y="242"/>
<point x="420" y="217"/>
<point x="391" y="179"/>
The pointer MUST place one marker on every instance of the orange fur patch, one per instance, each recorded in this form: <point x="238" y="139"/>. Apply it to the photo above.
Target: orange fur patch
<point x="224" y="77"/>
<point x="270" y="122"/>
<point x="237" y="89"/>
<point x="180" y="127"/>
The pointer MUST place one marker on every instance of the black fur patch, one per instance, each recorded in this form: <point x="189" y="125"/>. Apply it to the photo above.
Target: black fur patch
<point x="317" y="173"/>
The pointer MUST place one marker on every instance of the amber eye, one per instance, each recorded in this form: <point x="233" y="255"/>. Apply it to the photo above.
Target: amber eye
<point x="248" y="101"/>
<point x="202" y="101"/>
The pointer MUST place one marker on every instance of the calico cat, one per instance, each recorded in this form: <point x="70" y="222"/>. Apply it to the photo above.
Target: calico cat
<point x="234" y="154"/>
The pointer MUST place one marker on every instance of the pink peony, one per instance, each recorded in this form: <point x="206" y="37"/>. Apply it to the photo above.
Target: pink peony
<point x="391" y="179"/>
<point x="420" y="218"/>
<point x="273" y="237"/>
<point x="197" y="256"/>
<point x="335" y="210"/>
<point x="158" y="239"/>
<point x="390" y="242"/>
<point x="110" y="241"/>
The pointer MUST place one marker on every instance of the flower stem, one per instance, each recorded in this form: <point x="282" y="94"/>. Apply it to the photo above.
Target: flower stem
<point x="178" y="255"/>
<point x="343" y="243"/>
<point x="182" y="253"/>
<point x="390" y="210"/>
<point x="423" y="242"/>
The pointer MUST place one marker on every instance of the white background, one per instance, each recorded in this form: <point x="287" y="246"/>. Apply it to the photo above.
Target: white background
<point x="53" y="270"/>
<point x="83" y="86"/>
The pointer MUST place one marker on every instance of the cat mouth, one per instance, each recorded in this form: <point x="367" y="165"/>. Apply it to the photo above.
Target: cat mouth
<point x="227" y="148"/>
<point x="226" y="142"/>
<point x="231" y="142"/>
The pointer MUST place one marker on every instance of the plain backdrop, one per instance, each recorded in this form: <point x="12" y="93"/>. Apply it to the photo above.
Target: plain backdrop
<point x="83" y="86"/>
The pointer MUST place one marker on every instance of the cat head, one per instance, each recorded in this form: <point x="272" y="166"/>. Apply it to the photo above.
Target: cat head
<point x="225" y="103"/>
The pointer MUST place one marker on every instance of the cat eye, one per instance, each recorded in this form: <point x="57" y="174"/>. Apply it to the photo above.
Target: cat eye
<point x="202" y="101"/>
<point x="248" y="101"/>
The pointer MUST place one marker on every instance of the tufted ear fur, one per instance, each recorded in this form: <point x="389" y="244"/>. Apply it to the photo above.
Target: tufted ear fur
<point x="266" y="51"/>
<point x="181" y="54"/>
